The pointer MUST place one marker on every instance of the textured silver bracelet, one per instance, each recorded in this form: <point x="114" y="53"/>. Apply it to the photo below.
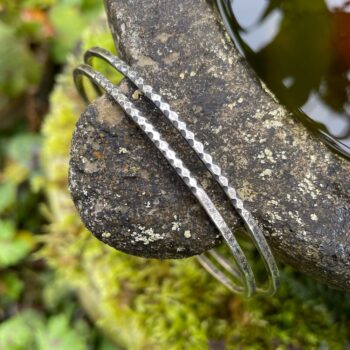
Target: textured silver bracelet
<point x="245" y="277"/>
<point x="252" y="228"/>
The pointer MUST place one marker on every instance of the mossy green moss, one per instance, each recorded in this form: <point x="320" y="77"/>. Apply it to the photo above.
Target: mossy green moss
<point x="149" y="304"/>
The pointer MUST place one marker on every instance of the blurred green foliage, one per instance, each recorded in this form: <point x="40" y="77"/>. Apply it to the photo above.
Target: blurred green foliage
<point x="35" y="39"/>
<point x="35" y="313"/>
<point x="18" y="66"/>
<point x="57" y="24"/>
<point x="28" y="330"/>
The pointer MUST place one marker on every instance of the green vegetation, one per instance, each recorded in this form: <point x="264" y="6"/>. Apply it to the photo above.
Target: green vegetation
<point x="62" y="289"/>
<point x="36" y="312"/>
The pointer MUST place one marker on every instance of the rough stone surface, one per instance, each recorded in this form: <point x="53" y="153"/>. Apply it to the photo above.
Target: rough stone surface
<point x="126" y="192"/>
<point x="297" y="188"/>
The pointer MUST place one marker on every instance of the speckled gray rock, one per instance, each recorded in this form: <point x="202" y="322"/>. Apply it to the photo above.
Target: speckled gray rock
<point x="126" y="192"/>
<point x="297" y="189"/>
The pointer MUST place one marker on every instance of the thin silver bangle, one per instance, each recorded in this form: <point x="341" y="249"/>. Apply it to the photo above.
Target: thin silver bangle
<point x="252" y="228"/>
<point x="246" y="279"/>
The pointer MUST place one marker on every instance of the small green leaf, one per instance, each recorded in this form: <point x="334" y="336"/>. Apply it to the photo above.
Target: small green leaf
<point x="60" y="335"/>
<point x="107" y="345"/>
<point x="11" y="287"/>
<point x="12" y="252"/>
<point x="18" y="332"/>
<point x="68" y="23"/>
<point x="14" y="245"/>
<point x="7" y="230"/>
<point x="19" y="69"/>
<point x="7" y="196"/>
<point x="24" y="148"/>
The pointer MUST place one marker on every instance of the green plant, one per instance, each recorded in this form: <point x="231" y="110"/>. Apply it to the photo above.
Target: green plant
<point x="35" y="39"/>
<point x="15" y="245"/>
<point x="36" y="312"/>
<point x="29" y="330"/>
<point x="19" y="67"/>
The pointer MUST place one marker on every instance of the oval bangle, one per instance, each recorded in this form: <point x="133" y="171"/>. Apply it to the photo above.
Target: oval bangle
<point x="253" y="229"/>
<point x="247" y="280"/>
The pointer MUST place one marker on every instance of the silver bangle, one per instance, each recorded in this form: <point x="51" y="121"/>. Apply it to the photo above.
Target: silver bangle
<point x="252" y="228"/>
<point x="246" y="276"/>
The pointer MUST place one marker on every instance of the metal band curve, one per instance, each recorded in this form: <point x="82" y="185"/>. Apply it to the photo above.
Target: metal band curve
<point x="245" y="271"/>
<point x="253" y="229"/>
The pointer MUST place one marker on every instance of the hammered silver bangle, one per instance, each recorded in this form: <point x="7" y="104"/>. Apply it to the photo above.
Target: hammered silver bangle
<point x="252" y="228"/>
<point x="245" y="277"/>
